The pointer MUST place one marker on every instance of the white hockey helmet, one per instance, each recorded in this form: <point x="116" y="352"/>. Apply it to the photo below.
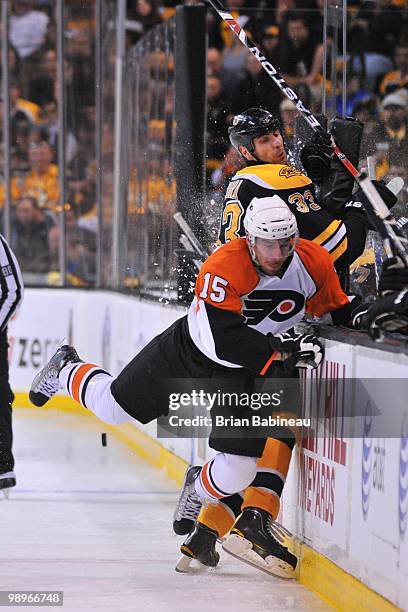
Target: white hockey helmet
<point x="270" y="218"/>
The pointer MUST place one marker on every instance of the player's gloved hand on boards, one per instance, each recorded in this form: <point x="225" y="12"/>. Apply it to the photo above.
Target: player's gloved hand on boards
<point x="358" y="316"/>
<point x="393" y="277"/>
<point x="388" y="314"/>
<point x="351" y="315"/>
<point x="305" y="350"/>
<point x="316" y="155"/>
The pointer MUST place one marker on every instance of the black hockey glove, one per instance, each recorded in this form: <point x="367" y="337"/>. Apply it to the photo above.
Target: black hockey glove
<point x="356" y="206"/>
<point x="388" y="314"/>
<point x="358" y="318"/>
<point x="316" y="155"/>
<point x="393" y="277"/>
<point x="351" y="314"/>
<point x="305" y="350"/>
<point x="336" y="187"/>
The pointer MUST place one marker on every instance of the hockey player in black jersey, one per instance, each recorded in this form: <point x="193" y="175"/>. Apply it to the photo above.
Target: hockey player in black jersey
<point x="336" y="220"/>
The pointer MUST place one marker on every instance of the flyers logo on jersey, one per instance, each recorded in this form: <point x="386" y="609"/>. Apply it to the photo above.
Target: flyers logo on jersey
<point x="278" y="305"/>
<point x="289" y="171"/>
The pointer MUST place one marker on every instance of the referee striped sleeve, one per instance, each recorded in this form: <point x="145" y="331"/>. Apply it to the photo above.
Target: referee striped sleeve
<point x="11" y="283"/>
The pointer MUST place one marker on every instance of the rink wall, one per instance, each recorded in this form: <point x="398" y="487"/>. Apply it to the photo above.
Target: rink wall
<point x="346" y="499"/>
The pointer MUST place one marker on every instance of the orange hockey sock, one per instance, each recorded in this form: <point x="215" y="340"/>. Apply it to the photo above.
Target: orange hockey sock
<point x="272" y="469"/>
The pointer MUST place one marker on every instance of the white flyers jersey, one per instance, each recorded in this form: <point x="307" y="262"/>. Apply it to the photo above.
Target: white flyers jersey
<point x="236" y="306"/>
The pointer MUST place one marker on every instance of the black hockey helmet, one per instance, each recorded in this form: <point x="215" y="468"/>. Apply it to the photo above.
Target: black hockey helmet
<point x="250" y="124"/>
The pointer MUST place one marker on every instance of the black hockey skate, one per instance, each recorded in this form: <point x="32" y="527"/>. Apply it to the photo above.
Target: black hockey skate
<point x="46" y="383"/>
<point x="189" y="504"/>
<point x="7" y="481"/>
<point x="253" y="540"/>
<point x="200" y="545"/>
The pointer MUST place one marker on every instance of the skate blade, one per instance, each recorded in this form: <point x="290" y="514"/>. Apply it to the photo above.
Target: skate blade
<point x="183" y="564"/>
<point x="188" y="565"/>
<point x="240" y="548"/>
<point x="6" y="493"/>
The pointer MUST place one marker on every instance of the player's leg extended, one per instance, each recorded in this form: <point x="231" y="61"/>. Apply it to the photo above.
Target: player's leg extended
<point x="252" y="537"/>
<point x="138" y="392"/>
<point x="90" y="385"/>
<point x="87" y="383"/>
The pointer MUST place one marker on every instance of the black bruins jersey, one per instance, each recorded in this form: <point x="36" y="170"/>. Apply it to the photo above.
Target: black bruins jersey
<point x="297" y="190"/>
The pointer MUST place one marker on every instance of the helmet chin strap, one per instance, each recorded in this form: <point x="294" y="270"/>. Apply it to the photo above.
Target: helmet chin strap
<point x="252" y="152"/>
<point x="251" y="248"/>
<point x="250" y="240"/>
<point x="257" y="160"/>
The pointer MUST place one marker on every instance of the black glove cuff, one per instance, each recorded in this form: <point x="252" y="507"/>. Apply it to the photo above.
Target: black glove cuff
<point x="393" y="280"/>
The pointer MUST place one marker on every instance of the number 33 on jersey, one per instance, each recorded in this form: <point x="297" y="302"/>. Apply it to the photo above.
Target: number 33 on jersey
<point x="296" y="190"/>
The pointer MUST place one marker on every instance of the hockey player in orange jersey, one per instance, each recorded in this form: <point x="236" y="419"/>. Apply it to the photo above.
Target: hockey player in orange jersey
<point x="224" y="334"/>
<point x="272" y="281"/>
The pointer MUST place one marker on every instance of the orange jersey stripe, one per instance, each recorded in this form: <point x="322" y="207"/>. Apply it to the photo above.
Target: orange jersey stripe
<point x="78" y="378"/>
<point x="268" y="363"/>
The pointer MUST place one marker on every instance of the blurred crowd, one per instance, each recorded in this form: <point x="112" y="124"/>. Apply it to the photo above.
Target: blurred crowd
<point x="290" y="33"/>
<point x="33" y="97"/>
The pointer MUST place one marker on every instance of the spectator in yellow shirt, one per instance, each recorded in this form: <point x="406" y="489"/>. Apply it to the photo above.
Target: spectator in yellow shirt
<point x="42" y="180"/>
<point x="18" y="104"/>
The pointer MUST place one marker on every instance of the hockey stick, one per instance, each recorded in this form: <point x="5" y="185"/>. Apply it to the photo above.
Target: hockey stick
<point x="384" y="221"/>
<point x="188" y="248"/>
<point x="190" y="235"/>
<point x="376" y="248"/>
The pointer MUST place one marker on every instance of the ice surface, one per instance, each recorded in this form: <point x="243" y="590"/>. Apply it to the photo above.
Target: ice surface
<point x="95" y="522"/>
